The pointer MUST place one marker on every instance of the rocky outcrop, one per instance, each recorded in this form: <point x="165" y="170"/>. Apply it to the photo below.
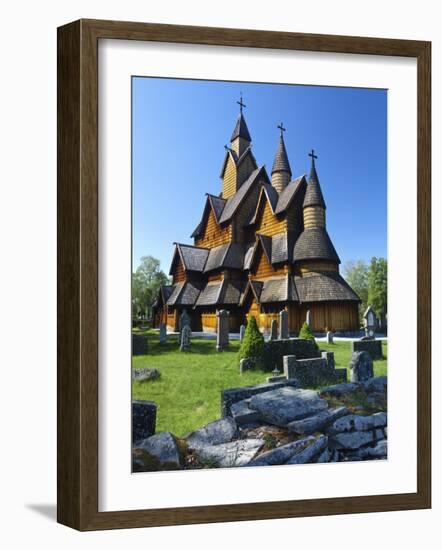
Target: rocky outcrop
<point x="158" y="452"/>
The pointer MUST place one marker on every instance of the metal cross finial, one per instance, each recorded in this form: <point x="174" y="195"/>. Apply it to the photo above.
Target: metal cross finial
<point x="312" y="154"/>
<point x="240" y="102"/>
<point x="281" y="127"/>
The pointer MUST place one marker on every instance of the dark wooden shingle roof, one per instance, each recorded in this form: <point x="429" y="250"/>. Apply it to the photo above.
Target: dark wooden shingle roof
<point x="281" y="161"/>
<point x="193" y="257"/>
<point x="241" y="129"/>
<point x="313" y="195"/>
<point x="315" y="244"/>
<point x="289" y="193"/>
<point x="324" y="287"/>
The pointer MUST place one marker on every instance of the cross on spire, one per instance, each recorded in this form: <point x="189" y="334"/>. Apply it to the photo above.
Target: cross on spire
<point x="240" y="103"/>
<point x="281" y="128"/>
<point x="312" y="154"/>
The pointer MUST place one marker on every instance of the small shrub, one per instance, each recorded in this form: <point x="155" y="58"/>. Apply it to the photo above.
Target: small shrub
<point x="270" y="442"/>
<point x="306" y="333"/>
<point x="253" y="342"/>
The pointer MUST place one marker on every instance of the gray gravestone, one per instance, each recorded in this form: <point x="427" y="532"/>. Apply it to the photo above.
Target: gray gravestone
<point x="361" y="366"/>
<point x="222" y="330"/>
<point x="283" y="325"/>
<point x="186" y="335"/>
<point x="163" y="333"/>
<point x="242" y="330"/>
<point x="308" y="318"/>
<point x="144" y="415"/>
<point x="140" y="344"/>
<point x="274" y="330"/>
<point x="329" y="337"/>
<point x="184" y="320"/>
<point x="370" y="322"/>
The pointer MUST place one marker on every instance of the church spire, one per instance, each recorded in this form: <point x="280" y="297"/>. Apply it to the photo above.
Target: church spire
<point x="314" y="204"/>
<point x="281" y="171"/>
<point x="240" y="138"/>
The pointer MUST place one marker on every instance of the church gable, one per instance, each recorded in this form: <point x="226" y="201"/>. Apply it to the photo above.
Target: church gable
<point x="267" y="222"/>
<point x="212" y="234"/>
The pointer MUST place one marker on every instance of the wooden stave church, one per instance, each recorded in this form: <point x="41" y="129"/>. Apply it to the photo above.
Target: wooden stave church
<point x="261" y="246"/>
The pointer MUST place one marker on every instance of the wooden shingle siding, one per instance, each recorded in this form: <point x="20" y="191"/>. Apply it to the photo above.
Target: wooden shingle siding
<point x="269" y="224"/>
<point x="294" y="218"/>
<point x="244" y="214"/>
<point x="318" y="266"/>
<point x="314" y="216"/>
<point x="265" y="269"/>
<point x="245" y="169"/>
<point x="179" y="273"/>
<point x="213" y="234"/>
<point x="229" y="179"/>
<point x="280" y="180"/>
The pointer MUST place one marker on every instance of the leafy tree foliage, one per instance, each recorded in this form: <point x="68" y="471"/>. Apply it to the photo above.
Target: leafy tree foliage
<point x="377" y="284"/>
<point x="369" y="282"/>
<point x="253" y="342"/>
<point x="146" y="282"/>
<point x="306" y="332"/>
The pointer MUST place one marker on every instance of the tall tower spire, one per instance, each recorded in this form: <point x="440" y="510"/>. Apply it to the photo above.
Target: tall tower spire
<point x="240" y="138"/>
<point x="314" y="204"/>
<point x="281" y="171"/>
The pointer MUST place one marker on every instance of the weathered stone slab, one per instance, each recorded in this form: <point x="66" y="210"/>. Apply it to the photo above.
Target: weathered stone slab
<point x="325" y="456"/>
<point x="145" y="374"/>
<point x="247" y="363"/>
<point x="144" y="416"/>
<point x="163" y="447"/>
<point x="309" y="453"/>
<point x="214" y="433"/>
<point x="315" y="371"/>
<point x="283" y="405"/>
<point x="242" y="413"/>
<point x="163" y="334"/>
<point x="361" y="367"/>
<point x="351" y="440"/>
<point x="317" y="422"/>
<point x="235" y="453"/>
<point x="378" y="384"/>
<point x="372" y="347"/>
<point x="222" y="329"/>
<point x="283" y="324"/>
<point x="275" y="350"/>
<point x="280" y="455"/>
<point x="233" y="395"/>
<point x="338" y="390"/>
<point x="140" y="344"/>
<point x="353" y="422"/>
<point x="329" y="336"/>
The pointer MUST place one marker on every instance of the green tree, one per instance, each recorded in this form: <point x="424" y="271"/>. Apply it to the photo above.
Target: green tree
<point x="377" y="284"/>
<point x="146" y="282"/>
<point x="306" y="333"/>
<point x="253" y="342"/>
<point x="356" y="275"/>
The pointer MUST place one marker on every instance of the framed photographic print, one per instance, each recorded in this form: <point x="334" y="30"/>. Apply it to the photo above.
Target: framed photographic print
<point x="243" y="270"/>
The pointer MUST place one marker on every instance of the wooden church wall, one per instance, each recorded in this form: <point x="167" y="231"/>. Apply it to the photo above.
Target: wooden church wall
<point x="265" y="269"/>
<point x="269" y="224"/>
<point x="179" y="273"/>
<point x="214" y="235"/>
<point x="229" y="179"/>
<point x="333" y="316"/>
<point x="244" y="214"/>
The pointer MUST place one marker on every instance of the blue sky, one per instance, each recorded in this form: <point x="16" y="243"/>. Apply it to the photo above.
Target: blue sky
<point x="179" y="131"/>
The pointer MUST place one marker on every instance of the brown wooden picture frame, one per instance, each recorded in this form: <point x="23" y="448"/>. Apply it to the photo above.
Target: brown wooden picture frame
<point x="77" y="464"/>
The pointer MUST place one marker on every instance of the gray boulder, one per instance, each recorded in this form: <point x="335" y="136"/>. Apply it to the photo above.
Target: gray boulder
<point x="144" y="416"/>
<point x="351" y="440"/>
<point x="377" y="385"/>
<point x="308" y="454"/>
<point x="317" y="422"/>
<point x="234" y="453"/>
<point x="145" y="374"/>
<point x="283" y="405"/>
<point x="361" y="366"/>
<point x="282" y="454"/>
<point x="215" y="433"/>
<point x="161" y="452"/>
<point x="339" y="390"/>
<point x="242" y="413"/>
<point x="356" y="422"/>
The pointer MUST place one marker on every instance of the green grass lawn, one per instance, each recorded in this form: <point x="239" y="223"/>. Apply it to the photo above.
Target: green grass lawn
<point x="188" y="392"/>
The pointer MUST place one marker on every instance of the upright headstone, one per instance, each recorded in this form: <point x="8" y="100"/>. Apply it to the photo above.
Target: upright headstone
<point x="184" y="320"/>
<point x="370" y="322"/>
<point x="140" y="344"/>
<point x="163" y="333"/>
<point x="308" y="318"/>
<point x="361" y="367"/>
<point x="242" y="331"/>
<point x="329" y="337"/>
<point x="222" y="329"/>
<point x="274" y="330"/>
<point x="283" y="325"/>
<point x="144" y="416"/>
<point x="186" y="335"/>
